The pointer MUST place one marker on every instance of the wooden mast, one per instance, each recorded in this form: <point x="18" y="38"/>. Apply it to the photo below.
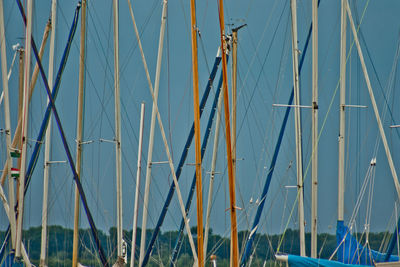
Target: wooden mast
<point x="232" y="207"/>
<point x="48" y="141"/>
<point x="299" y="162"/>
<point x="24" y="135"/>
<point x="79" y="131"/>
<point x="314" y="185"/>
<point x="7" y="122"/>
<point x="196" y="108"/>
<point x="17" y="135"/>
<point x="10" y="211"/>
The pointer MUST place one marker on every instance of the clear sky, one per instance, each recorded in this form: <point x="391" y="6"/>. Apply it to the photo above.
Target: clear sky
<point x="265" y="78"/>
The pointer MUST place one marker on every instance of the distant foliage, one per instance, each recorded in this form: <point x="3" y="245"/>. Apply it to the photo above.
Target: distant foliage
<point x="60" y="246"/>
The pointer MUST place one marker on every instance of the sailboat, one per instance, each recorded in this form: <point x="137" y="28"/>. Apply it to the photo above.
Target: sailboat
<point x="155" y="56"/>
<point x="349" y="251"/>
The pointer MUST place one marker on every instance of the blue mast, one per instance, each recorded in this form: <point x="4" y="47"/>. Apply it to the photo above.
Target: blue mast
<point x="250" y="240"/>
<point x="181" y="162"/>
<point x="392" y="241"/>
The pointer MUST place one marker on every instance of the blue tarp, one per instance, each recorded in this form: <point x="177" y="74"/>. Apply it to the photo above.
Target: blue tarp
<point x="9" y="261"/>
<point x="350" y="251"/>
<point x="298" y="261"/>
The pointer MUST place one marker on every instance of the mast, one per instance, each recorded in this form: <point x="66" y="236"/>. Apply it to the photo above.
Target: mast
<point x="7" y="120"/>
<point x="151" y="137"/>
<point x="79" y="131"/>
<point x="232" y="207"/>
<point x="135" y="209"/>
<point x="7" y="117"/>
<point x="314" y="174"/>
<point x="51" y="106"/>
<point x="24" y="128"/>
<point x="117" y="131"/>
<point x="10" y="212"/>
<point x="372" y="97"/>
<point x="48" y="141"/>
<point x="179" y="239"/>
<point x="234" y="91"/>
<point x="20" y="99"/>
<point x="342" y="130"/>
<point x="270" y="170"/>
<point x="212" y="175"/>
<point x="17" y="135"/>
<point x="299" y="162"/>
<point x="197" y="137"/>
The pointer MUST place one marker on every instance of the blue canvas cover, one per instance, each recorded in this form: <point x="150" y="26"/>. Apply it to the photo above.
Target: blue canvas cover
<point x="350" y="251"/>
<point x="298" y="261"/>
<point x="9" y="261"/>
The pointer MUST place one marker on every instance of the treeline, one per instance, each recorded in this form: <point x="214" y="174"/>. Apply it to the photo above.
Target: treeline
<point x="59" y="251"/>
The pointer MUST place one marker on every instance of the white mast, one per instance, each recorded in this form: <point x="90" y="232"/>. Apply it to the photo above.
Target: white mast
<point x="7" y="122"/>
<point x="314" y="186"/>
<point x="151" y="137"/>
<point x="342" y="130"/>
<point x="298" y="127"/>
<point x="135" y="209"/>
<point x="371" y="95"/>
<point x="117" y="131"/>
<point x="212" y="175"/>
<point x="47" y="140"/>
<point x="25" y="114"/>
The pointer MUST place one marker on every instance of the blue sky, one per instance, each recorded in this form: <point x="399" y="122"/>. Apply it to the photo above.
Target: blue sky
<point x="265" y="78"/>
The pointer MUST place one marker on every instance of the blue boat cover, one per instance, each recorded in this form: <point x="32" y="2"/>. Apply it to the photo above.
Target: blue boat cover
<point x="298" y="261"/>
<point x="9" y="261"/>
<point x="350" y="251"/>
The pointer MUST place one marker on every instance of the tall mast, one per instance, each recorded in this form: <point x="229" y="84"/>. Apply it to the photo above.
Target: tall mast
<point x="314" y="174"/>
<point x="342" y="131"/>
<point x="24" y="136"/>
<point x="135" y="209"/>
<point x="79" y="131"/>
<point x="151" y="137"/>
<point x="232" y="207"/>
<point x="197" y="137"/>
<point x="234" y="94"/>
<point x="299" y="162"/>
<point x="117" y="131"/>
<point x="234" y="88"/>
<point x="7" y="120"/>
<point x="48" y="141"/>
<point x="212" y="175"/>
